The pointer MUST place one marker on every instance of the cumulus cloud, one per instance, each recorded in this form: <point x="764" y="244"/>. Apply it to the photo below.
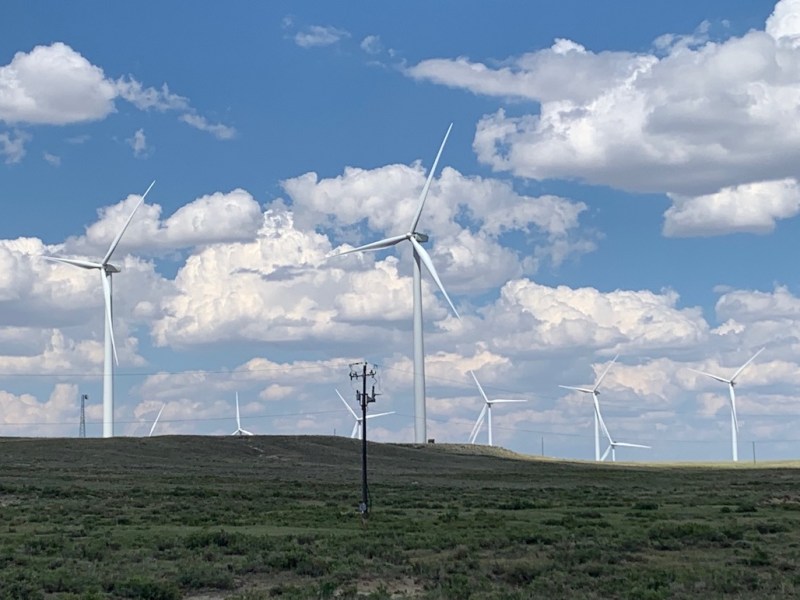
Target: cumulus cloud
<point x="372" y="44"/>
<point x="138" y="142"/>
<point x="12" y="145"/>
<point x="52" y="159"/>
<point x="24" y="414"/>
<point x="56" y="85"/>
<point x="698" y="120"/>
<point x="466" y="217"/>
<point x="218" y="130"/>
<point x="751" y="207"/>
<point x="318" y="35"/>
<point x="564" y="317"/>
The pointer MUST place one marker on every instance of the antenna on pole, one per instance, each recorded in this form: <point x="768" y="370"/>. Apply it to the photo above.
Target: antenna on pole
<point x="82" y="429"/>
<point x="363" y="399"/>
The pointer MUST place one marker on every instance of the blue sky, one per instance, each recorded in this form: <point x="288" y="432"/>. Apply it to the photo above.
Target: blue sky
<point x="621" y="179"/>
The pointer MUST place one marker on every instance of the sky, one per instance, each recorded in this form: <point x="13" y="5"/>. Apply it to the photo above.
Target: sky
<point x="622" y="178"/>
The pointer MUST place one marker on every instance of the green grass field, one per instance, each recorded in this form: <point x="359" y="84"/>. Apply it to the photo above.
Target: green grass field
<point x="275" y="517"/>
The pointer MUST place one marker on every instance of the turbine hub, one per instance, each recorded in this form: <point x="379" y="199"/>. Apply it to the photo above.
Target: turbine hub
<point x="420" y="237"/>
<point x="109" y="268"/>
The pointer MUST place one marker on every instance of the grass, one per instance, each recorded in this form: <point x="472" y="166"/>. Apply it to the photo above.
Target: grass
<point x="275" y="517"/>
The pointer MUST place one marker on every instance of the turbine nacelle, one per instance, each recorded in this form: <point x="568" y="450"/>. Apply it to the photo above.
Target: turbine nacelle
<point x="109" y="268"/>
<point x="420" y="237"/>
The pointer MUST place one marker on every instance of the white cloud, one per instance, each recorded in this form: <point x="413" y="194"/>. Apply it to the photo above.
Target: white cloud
<point x="317" y="35"/>
<point x="25" y="415"/>
<point x="12" y="146"/>
<point x="751" y="207"/>
<point x="149" y="98"/>
<point x="55" y="85"/>
<point x="138" y="142"/>
<point x="532" y="316"/>
<point x="218" y="130"/>
<point x="53" y="159"/>
<point x="372" y="44"/>
<point x="697" y="122"/>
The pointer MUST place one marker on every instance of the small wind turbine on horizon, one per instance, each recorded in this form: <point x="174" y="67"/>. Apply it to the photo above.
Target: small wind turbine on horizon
<point x="239" y="430"/>
<point x="416" y="239"/>
<point x="594" y="391"/>
<point x="158" y="416"/>
<point x="486" y="412"/>
<point x="356" y="433"/>
<point x="613" y="444"/>
<point x="731" y="384"/>
<point x="110" y="358"/>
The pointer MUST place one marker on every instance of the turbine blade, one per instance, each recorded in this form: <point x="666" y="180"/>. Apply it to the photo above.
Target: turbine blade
<point x="733" y="405"/>
<point x="352" y="412"/>
<point x="605" y="454"/>
<point x="627" y="445"/>
<point x="424" y="194"/>
<point x="354" y="433"/>
<point x="75" y="262"/>
<point x="579" y="389"/>
<point x="384" y="243"/>
<point x="238" y="420"/>
<point x="480" y="388"/>
<point x="426" y="259"/>
<point x="717" y="377"/>
<point x="600" y="418"/>
<point x="478" y="424"/>
<point x="107" y="301"/>
<point x="158" y="416"/>
<point x="742" y="368"/>
<point x="380" y="415"/>
<point x="505" y="401"/>
<point x="604" y="373"/>
<point x="115" y="243"/>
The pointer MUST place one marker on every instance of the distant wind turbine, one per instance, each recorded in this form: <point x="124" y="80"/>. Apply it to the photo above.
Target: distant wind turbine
<point x="158" y="416"/>
<point x="239" y="430"/>
<point x="106" y="270"/>
<point x="356" y="433"/>
<point x="486" y="412"/>
<point x="613" y="444"/>
<point x="594" y="391"/>
<point x="416" y="239"/>
<point x="731" y="384"/>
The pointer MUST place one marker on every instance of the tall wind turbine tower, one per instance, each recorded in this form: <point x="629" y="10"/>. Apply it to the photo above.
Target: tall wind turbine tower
<point x="106" y="270"/>
<point x="731" y="384"/>
<point x="416" y="239"/>
<point x="594" y="391"/>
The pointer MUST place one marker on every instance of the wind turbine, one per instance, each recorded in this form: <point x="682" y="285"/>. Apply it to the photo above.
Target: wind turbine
<point x="416" y="239"/>
<point x="158" y="416"/>
<point x="731" y="384"/>
<point x="594" y="391"/>
<point x="486" y="412"/>
<point x="612" y="444"/>
<point x="239" y="430"/>
<point x="356" y="434"/>
<point x="106" y="270"/>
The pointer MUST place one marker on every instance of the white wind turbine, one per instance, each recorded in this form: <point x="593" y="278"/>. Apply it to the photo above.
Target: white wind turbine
<point x="239" y="430"/>
<point x="356" y="433"/>
<point x="612" y="444"/>
<point x="731" y="384"/>
<point x="416" y="239"/>
<point x="597" y="417"/>
<point x="158" y="416"/>
<point x="106" y="270"/>
<point x="486" y="412"/>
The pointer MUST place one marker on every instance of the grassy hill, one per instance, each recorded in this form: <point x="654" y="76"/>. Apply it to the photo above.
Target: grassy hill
<point x="275" y="517"/>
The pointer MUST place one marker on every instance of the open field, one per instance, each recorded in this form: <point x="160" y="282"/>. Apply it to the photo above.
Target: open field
<point x="275" y="517"/>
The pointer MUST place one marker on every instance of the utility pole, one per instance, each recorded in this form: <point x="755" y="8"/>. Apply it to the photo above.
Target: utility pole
<point x="82" y="429"/>
<point x="363" y="399"/>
